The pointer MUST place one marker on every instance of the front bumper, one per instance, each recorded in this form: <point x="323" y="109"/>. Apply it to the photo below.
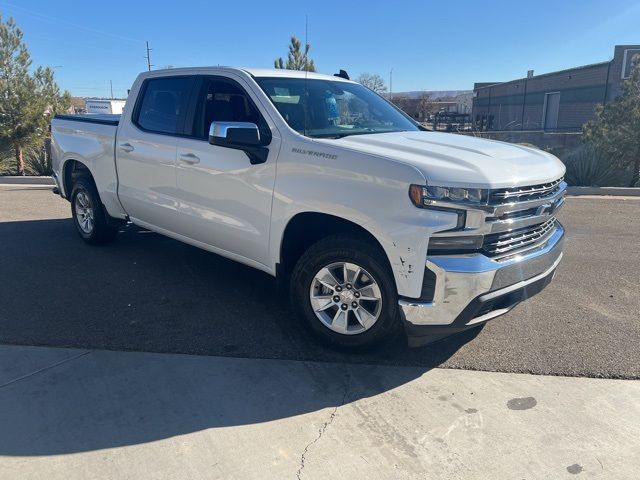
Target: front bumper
<point x="471" y="289"/>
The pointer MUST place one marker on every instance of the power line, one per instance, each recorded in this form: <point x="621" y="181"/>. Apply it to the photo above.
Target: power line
<point x="148" y="57"/>
<point x="58" y="21"/>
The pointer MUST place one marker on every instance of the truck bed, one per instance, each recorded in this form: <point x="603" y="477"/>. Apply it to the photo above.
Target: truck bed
<point x="88" y="139"/>
<point x="102" y="118"/>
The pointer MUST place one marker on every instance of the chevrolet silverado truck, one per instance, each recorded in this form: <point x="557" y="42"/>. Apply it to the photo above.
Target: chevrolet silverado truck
<point x="374" y="222"/>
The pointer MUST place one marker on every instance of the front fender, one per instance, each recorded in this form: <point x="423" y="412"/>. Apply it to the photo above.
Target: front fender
<point x="371" y="192"/>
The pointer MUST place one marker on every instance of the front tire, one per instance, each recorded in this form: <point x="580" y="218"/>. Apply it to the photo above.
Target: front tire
<point x="344" y="290"/>
<point x="89" y="215"/>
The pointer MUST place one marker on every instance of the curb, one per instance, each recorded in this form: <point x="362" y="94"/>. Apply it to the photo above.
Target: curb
<point x="603" y="191"/>
<point x="26" y="180"/>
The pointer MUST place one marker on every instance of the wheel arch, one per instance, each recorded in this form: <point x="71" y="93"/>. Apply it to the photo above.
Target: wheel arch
<point x="72" y="169"/>
<point x="306" y="228"/>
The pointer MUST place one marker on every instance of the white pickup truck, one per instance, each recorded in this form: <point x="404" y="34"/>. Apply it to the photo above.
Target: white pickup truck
<point x="374" y="222"/>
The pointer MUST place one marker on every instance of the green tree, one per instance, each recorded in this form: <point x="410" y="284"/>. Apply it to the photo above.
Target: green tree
<point x="374" y="82"/>
<point x="616" y="127"/>
<point x="27" y="100"/>
<point x="297" y="59"/>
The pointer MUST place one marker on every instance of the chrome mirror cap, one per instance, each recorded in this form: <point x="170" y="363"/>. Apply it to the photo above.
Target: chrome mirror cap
<point x="221" y="129"/>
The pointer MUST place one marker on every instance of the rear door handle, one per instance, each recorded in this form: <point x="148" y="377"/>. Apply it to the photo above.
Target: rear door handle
<point x="126" y="147"/>
<point x="189" y="158"/>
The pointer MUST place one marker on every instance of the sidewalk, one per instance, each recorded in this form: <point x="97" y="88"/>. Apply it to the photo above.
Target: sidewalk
<point x="76" y="414"/>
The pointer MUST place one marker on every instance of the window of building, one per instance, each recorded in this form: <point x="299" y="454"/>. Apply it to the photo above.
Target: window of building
<point x="551" y="110"/>
<point x="630" y="55"/>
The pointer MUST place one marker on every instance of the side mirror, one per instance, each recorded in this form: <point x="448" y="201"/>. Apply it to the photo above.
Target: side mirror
<point x="239" y="136"/>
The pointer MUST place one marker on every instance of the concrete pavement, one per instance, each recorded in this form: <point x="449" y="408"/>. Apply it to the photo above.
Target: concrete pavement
<point x="79" y="414"/>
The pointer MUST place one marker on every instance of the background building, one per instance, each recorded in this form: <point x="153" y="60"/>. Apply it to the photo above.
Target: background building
<point x="557" y="101"/>
<point x="422" y="105"/>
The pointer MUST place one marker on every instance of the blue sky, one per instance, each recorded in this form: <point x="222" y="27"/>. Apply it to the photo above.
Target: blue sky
<point x="429" y="45"/>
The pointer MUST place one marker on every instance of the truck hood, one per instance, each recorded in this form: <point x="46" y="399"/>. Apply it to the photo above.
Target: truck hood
<point x="448" y="159"/>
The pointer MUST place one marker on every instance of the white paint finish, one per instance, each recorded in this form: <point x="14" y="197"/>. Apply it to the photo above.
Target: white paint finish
<point x="226" y="205"/>
<point x="283" y="73"/>
<point x="224" y="200"/>
<point x="91" y="144"/>
<point x="145" y="415"/>
<point x="364" y="189"/>
<point x="447" y="159"/>
<point x="147" y="175"/>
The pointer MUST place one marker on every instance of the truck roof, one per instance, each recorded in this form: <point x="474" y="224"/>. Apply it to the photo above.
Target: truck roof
<point x="255" y="72"/>
<point x="278" y="72"/>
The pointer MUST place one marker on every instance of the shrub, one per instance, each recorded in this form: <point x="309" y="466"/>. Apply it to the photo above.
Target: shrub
<point x="36" y="157"/>
<point x="589" y="166"/>
<point x="38" y="161"/>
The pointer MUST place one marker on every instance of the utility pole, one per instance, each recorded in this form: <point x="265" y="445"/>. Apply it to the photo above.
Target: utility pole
<point x="148" y="57"/>
<point x="390" y="83"/>
<point x="111" y="84"/>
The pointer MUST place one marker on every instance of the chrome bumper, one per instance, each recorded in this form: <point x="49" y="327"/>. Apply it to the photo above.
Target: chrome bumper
<point x="474" y="288"/>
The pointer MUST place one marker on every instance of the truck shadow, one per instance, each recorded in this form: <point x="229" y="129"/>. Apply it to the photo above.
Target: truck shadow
<point x="148" y="293"/>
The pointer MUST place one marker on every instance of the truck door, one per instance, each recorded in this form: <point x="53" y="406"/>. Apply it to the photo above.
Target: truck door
<point x="225" y="201"/>
<point x="146" y="151"/>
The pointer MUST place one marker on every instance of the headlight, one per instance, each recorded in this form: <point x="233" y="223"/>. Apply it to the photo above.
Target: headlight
<point x="423" y="196"/>
<point x="455" y="244"/>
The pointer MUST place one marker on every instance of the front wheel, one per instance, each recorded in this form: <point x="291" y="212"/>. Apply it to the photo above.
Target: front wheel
<point x="344" y="290"/>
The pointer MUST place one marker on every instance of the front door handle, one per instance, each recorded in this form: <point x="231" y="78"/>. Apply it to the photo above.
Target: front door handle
<point x="189" y="158"/>
<point x="126" y="147"/>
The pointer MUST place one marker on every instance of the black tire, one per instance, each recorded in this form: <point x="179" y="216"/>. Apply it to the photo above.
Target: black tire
<point x="363" y="253"/>
<point x="101" y="231"/>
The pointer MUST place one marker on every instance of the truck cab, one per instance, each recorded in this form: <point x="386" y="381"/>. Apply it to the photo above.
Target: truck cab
<point x="374" y="222"/>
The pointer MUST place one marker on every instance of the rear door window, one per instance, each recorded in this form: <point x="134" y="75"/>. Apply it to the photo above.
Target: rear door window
<point x="163" y="105"/>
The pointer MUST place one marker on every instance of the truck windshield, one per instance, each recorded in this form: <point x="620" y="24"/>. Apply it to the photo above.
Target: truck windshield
<point x="333" y="109"/>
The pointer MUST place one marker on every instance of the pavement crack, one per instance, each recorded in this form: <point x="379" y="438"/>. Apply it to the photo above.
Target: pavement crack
<point x="43" y="369"/>
<point x="324" y="426"/>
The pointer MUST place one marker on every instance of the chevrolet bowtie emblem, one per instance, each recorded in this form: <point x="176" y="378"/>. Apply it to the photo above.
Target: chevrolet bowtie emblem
<point x="547" y="208"/>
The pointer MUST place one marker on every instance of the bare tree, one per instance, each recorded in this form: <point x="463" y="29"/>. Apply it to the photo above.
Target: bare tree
<point x="403" y="103"/>
<point x="424" y="106"/>
<point x="373" y="81"/>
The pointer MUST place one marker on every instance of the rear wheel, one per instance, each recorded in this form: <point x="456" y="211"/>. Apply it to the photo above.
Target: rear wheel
<point x="88" y="214"/>
<point x="345" y="292"/>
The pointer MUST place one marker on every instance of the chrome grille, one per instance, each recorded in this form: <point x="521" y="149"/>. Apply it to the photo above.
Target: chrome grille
<point x="522" y="194"/>
<point x="515" y="220"/>
<point x="518" y="240"/>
